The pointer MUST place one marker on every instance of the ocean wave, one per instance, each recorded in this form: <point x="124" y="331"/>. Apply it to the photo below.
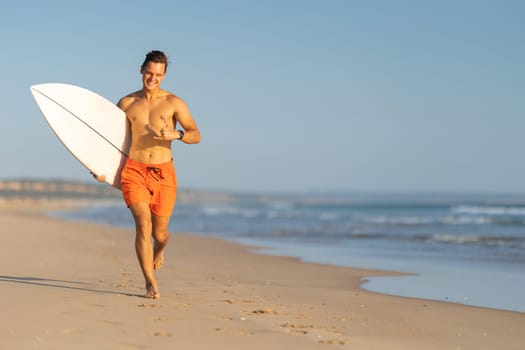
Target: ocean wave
<point x="473" y="239"/>
<point x="465" y="218"/>
<point x="489" y="210"/>
<point x="468" y="220"/>
<point x="499" y="241"/>
<point x="230" y="211"/>
<point x="444" y="220"/>
<point x="399" y="220"/>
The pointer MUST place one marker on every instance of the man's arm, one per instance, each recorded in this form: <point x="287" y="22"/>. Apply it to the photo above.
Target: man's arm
<point x="124" y="102"/>
<point x="183" y="116"/>
<point x="121" y="104"/>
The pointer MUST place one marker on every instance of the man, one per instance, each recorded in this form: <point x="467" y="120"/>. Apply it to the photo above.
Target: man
<point x="149" y="182"/>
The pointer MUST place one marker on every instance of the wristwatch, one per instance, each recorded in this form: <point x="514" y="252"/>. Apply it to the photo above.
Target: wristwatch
<point x="181" y="134"/>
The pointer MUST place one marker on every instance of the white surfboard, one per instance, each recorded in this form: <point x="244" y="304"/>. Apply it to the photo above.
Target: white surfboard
<point x="91" y="127"/>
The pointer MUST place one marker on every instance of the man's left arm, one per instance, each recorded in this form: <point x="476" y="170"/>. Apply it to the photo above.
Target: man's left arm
<point x="183" y="116"/>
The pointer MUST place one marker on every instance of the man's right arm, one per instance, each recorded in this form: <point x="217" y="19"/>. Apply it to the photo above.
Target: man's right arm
<point x="122" y="104"/>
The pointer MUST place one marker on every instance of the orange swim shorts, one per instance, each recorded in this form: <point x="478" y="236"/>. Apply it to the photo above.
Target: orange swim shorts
<point x="155" y="184"/>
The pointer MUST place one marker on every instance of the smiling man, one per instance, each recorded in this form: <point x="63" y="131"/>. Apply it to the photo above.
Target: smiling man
<point x="149" y="184"/>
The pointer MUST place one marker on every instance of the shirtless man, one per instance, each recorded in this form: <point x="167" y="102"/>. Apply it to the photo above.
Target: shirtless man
<point x="148" y="179"/>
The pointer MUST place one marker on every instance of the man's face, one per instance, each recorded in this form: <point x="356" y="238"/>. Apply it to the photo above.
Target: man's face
<point x="152" y="75"/>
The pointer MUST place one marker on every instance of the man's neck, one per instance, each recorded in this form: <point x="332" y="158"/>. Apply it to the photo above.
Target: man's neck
<point x="150" y="94"/>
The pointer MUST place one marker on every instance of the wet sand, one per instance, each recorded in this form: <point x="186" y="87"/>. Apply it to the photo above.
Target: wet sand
<point x="78" y="285"/>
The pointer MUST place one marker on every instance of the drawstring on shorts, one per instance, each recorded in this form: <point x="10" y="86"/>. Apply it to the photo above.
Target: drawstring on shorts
<point x="156" y="173"/>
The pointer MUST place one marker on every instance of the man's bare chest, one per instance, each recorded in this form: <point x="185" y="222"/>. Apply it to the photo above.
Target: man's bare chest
<point x="150" y="113"/>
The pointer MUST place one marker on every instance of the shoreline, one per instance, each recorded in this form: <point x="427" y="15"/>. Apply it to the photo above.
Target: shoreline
<point x="79" y="288"/>
<point x="455" y="281"/>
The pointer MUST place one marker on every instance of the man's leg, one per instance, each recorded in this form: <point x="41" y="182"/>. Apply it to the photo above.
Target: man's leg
<point x="161" y="236"/>
<point x="143" y="225"/>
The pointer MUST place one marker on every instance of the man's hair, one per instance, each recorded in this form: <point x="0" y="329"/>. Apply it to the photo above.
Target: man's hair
<point x="157" y="57"/>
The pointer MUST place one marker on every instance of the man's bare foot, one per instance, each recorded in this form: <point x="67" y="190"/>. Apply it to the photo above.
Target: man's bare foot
<point x="158" y="257"/>
<point x="159" y="260"/>
<point x="151" y="293"/>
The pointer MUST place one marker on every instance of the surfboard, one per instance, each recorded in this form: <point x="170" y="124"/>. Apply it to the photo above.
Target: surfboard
<point x="91" y="127"/>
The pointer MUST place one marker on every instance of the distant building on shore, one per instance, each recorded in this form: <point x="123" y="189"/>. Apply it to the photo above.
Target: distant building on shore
<point x="49" y="189"/>
<point x="20" y="189"/>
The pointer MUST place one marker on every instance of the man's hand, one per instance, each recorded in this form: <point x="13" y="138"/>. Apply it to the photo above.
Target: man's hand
<point x="99" y="178"/>
<point x="167" y="133"/>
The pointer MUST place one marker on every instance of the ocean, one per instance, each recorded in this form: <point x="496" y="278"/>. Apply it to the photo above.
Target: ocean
<point x="467" y="249"/>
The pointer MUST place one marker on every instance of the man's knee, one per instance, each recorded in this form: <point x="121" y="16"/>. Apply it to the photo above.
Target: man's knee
<point x="161" y="236"/>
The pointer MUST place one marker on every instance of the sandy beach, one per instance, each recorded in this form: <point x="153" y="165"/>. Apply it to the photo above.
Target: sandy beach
<point x="68" y="285"/>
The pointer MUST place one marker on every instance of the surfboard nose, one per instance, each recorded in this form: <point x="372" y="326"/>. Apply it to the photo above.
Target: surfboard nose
<point x="91" y="127"/>
<point x="36" y="87"/>
<point x="36" y="90"/>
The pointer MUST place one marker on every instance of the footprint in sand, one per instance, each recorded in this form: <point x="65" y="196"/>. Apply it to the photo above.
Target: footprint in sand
<point x="149" y="305"/>
<point x="268" y="310"/>
<point x="160" y="319"/>
<point x="235" y="301"/>
<point x="332" y="342"/>
<point x="161" y="334"/>
<point x="297" y="328"/>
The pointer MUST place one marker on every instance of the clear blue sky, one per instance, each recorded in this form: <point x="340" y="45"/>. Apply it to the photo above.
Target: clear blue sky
<point x="289" y="95"/>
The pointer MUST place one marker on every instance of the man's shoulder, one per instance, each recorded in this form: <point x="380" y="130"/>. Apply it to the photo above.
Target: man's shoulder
<point x="131" y="96"/>
<point x="128" y="99"/>
<point x="173" y="99"/>
<point x="168" y="95"/>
